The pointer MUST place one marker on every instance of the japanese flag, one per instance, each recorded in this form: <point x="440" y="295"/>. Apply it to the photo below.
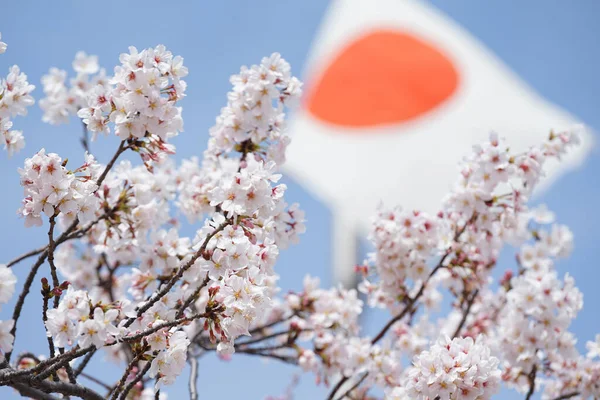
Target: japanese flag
<point x="396" y="94"/>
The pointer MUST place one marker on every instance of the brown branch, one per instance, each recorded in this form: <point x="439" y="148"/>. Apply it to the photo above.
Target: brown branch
<point x="21" y="300"/>
<point x="45" y="298"/>
<point x="84" y="362"/>
<point x="162" y="325"/>
<point x="531" y="378"/>
<point x="68" y="389"/>
<point x="567" y="396"/>
<point x="111" y="163"/>
<point x="271" y="336"/>
<point x="135" y="380"/>
<point x="271" y="324"/>
<point x="96" y="381"/>
<point x="280" y="357"/>
<point x="128" y="370"/>
<point x="193" y="297"/>
<point x="466" y="313"/>
<point x="356" y="385"/>
<point x="24" y="256"/>
<point x="51" y="247"/>
<point x="32" y="393"/>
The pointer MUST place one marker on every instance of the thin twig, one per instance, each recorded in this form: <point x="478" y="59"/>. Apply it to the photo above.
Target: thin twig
<point x="531" y="378"/>
<point x="123" y="379"/>
<point x="21" y="300"/>
<point x="271" y="336"/>
<point x="84" y="362"/>
<point x="51" y="247"/>
<point x="96" y="380"/>
<point x="567" y="396"/>
<point x="111" y="163"/>
<point x="24" y="256"/>
<point x="135" y="380"/>
<point x="466" y="313"/>
<point x="356" y="385"/>
<point x="45" y="298"/>
<point x="162" y="325"/>
<point x="193" y="297"/>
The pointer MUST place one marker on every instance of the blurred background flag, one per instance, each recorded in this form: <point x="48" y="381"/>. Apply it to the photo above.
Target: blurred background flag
<point x="396" y="93"/>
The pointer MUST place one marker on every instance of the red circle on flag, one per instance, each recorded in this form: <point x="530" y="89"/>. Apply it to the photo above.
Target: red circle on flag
<point x="384" y="77"/>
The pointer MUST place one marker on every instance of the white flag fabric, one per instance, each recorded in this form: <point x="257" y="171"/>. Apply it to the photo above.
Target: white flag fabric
<point x="396" y="94"/>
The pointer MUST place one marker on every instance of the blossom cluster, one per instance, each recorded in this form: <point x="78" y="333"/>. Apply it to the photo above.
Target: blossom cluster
<point x="75" y="320"/>
<point x="460" y="368"/>
<point x="140" y="100"/>
<point x="254" y="115"/>
<point x="52" y="189"/>
<point x="62" y="101"/>
<point x="15" y="97"/>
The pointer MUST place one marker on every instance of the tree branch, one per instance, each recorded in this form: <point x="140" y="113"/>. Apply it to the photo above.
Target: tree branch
<point x="466" y="313"/>
<point x="531" y="378"/>
<point x="141" y="310"/>
<point x="135" y="380"/>
<point x="356" y="385"/>
<point x="567" y="396"/>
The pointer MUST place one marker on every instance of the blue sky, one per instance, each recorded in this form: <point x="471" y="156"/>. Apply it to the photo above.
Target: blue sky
<point x="550" y="44"/>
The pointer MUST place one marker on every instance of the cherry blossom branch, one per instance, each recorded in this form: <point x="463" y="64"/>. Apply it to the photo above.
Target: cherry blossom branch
<point x="391" y="322"/>
<point x="84" y="362"/>
<point x="51" y="246"/>
<point x="128" y="370"/>
<point x="25" y="256"/>
<point x="46" y="297"/>
<point x="271" y="336"/>
<point x="567" y="396"/>
<point x="531" y="378"/>
<point x="120" y="150"/>
<point x="21" y="300"/>
<point x="353" y="387"/>
<point x="271" y="324"/>
<point x="162" y="325"/>
<point x="63" y="237"/>
<point x="466" y="313"/>
<point x="193" y="297"/>
<point x="56" y="294"/>
<point x="409" y="304"/>
<point x="177" y="276"/>
<point x="135" y="380"/>
<point x="283" y="358"/>
<point x="96" y="380"/>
